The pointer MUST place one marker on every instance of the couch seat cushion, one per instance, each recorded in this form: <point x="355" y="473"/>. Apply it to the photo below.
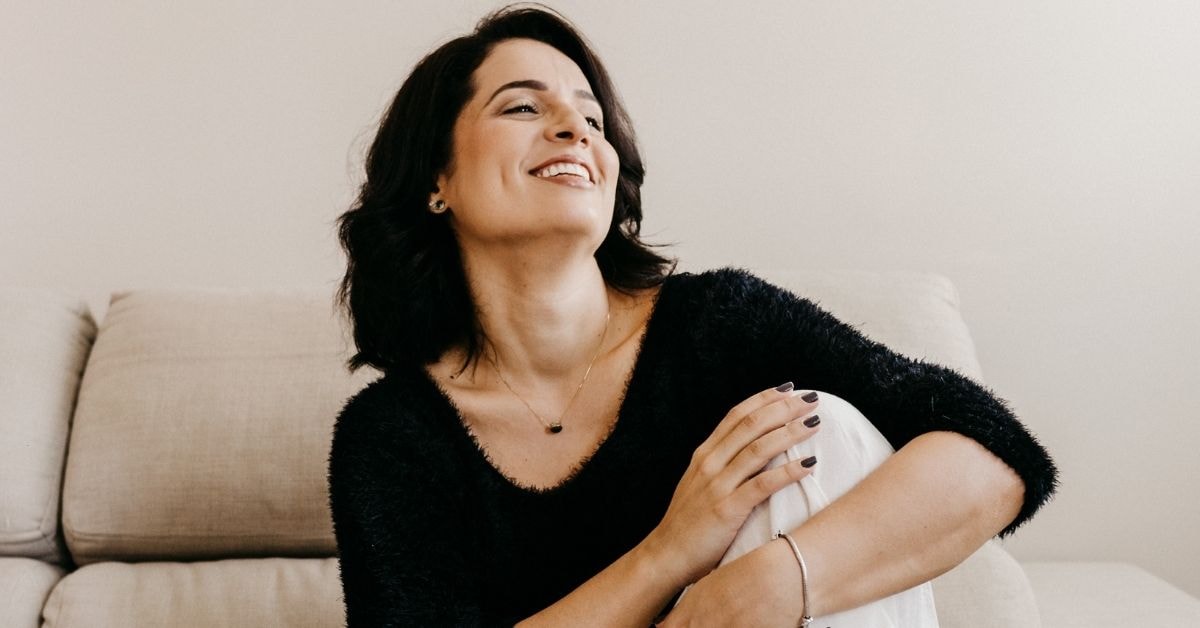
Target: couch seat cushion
<point x="300" y="593"/>
<point x="24" y="585"/>
<point x="1108" y="595"/>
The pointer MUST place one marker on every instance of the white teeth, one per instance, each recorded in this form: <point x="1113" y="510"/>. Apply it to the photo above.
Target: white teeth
<point x="563" y="167"/>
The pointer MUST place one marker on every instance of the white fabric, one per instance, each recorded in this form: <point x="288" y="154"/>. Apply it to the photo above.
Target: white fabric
<point x="847" y="448"/>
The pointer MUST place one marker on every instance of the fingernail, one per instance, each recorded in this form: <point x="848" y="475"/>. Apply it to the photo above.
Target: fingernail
<point x="808" y="462"/>
<point x="812" y="421"/>
<point x="809" y="397"/>
<point x="785" y="387"/>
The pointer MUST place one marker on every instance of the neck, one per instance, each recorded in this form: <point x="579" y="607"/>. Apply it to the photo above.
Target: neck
<point x="543" y="322"/>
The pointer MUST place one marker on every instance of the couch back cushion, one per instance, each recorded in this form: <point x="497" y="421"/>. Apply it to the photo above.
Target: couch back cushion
<point x="203" y="427"/>
<point x="916" y="314"/>
<point x="45" y="337"/>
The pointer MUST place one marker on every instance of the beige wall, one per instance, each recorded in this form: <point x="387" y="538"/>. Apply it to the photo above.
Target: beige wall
<point x="1045" y="156"/>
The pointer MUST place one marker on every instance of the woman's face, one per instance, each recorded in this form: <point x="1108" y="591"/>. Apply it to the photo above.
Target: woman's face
<point x="529" y="156"/>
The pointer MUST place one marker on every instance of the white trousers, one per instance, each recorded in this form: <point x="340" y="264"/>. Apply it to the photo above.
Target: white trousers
<point x="847" y="448"/>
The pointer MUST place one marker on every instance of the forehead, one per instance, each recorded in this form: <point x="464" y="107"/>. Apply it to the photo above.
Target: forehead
<point x="522" y="59"/>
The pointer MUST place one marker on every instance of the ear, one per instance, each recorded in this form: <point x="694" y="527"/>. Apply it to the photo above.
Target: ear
<point x="440" y="186"/>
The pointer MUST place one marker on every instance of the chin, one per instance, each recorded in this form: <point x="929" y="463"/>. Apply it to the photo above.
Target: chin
<point x="575" y="224"/>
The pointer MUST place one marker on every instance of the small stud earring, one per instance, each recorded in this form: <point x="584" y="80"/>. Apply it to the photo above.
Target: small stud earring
<point x="438" y="206"/>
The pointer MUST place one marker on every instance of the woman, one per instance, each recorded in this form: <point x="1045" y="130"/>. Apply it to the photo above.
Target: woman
<point x="567" y="432"/>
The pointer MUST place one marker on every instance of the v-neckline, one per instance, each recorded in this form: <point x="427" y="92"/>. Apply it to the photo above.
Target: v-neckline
<point x="462" y="429"/>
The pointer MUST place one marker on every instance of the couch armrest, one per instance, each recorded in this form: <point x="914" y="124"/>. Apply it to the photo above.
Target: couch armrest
<point x="988" y="590"/>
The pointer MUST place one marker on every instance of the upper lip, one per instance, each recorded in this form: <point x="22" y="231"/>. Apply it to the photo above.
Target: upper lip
<point x="569" y="159"/>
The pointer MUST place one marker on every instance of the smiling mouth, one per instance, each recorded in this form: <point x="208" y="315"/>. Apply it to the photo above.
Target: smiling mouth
<point x="565" y="171"/>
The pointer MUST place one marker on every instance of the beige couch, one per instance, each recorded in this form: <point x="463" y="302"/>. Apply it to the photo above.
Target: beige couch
<point x="168" y="467"/>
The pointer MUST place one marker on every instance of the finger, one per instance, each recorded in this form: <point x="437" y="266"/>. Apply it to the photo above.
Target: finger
<point x="750" y="404"/>
<point x="757" y="489"/>
<point x="759" y="452"/>
<point x="757" y="423"/>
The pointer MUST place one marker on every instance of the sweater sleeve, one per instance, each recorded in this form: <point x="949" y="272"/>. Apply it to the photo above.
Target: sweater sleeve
<point x="399" y="527"/>
<point x="775" y="334"/>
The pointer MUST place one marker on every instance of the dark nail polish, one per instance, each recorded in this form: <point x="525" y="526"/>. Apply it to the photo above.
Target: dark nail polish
<point x="808" y="462"/>
<point x="809" y="397"/>
<point x="812" y="421"/>
<point x="785" y="387"/>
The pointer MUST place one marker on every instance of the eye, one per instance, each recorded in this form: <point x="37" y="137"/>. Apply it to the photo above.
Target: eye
<point x="521" y="108"/>
<point x="595" y="123"/>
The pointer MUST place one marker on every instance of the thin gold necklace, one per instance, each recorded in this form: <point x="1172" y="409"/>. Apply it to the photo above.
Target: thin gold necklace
<point x="556" y="426"/>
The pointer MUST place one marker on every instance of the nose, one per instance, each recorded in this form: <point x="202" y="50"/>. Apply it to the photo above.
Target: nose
<point x="570" y="126"/>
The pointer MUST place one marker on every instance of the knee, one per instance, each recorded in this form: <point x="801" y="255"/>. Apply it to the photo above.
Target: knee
<point x="846" y="431"/>
<point x="837" y="411"/>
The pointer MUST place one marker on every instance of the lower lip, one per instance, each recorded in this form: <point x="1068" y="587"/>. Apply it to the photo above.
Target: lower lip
<point x="568" y="180"/>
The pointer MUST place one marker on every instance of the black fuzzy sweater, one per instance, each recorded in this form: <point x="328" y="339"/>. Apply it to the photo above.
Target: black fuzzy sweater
<point x="429" y="533"/>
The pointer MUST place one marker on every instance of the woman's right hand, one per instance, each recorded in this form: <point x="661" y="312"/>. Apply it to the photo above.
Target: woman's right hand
<point x="725" y="479"/>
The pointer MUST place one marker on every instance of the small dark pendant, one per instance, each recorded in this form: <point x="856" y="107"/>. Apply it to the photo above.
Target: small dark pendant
<point x="554" y="428"/>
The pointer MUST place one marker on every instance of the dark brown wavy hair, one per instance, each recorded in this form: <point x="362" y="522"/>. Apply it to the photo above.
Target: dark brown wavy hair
<point x="405" y="290"/>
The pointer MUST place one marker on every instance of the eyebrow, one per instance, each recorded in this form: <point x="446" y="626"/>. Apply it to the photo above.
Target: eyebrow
<point x="538" y="86"/>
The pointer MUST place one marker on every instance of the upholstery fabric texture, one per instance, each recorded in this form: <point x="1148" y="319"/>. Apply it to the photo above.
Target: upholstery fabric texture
<point x="988" y="590"/>
<point x="203" y="426"/>
<point x="1109" y="595"/>
<point x="44" y="340"/>
<point x="915" y="314"/>
<point x="202" y="433"/>
<point x="24" y="585"/>
<point x="268" y="592"/>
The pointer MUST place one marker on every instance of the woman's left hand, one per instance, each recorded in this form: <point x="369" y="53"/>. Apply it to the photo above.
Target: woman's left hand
<point x="754" y="591"/>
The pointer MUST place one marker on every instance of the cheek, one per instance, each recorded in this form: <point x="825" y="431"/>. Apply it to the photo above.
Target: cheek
<point x="606" y="155"/>
<point x="490" y="155"/>
<point x="464" y="174"/>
